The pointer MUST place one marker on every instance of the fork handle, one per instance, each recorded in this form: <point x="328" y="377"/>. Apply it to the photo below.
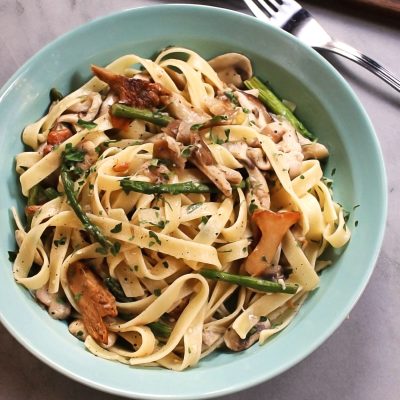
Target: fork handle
<point x="351" y="53"/>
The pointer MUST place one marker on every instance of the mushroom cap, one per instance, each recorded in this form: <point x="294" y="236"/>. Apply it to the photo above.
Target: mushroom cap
<point x="232" y="68"/>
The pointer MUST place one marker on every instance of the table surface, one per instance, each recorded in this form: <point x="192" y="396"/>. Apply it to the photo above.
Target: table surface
<point x="361" y="360"/>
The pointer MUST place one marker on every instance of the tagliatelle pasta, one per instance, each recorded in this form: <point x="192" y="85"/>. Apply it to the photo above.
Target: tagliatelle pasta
<point x="172" y="210"/>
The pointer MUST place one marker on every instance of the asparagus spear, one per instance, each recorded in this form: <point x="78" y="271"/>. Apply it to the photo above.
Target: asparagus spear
<point x="173" y="188"/>
<point x="115" y="288"/>
<point x="36" y="196"/>
<point x="160" y="329"/>
<point x="51" y="193"/>
<point x="122" y="110"/>
<point x="276" y="106"/>
<point x="248" y="281"/>
<point x="89" y="227"/>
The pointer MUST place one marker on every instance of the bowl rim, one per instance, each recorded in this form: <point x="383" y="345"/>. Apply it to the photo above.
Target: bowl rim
<point x="334" y="323"/>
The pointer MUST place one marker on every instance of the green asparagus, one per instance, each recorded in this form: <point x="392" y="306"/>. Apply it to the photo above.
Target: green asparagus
<point x="51" y="193"/>
<point x="122" y="110"/>
<point x="89" y="227"/>
<point x="115" y="288"/>
<point x="160" y="329"/>
<point x="276" y="106"/>
<point x="249" y="281"/>
<point x="173" y="188"/>
<point x="36" y="196"/>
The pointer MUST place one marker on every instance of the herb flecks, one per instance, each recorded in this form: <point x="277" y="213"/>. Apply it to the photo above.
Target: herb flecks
<point x="60" y="242"/>
<point x="86" y="124"/>
<point x="117" y="228"/>
<point x="154" y="236"/>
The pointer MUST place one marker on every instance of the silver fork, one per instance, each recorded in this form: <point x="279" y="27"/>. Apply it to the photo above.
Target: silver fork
<point x="293" y="18"/>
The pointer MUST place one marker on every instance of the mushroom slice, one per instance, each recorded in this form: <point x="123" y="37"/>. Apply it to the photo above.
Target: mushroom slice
<point x="91" y="155"/>
<point x="235" y="343"/>
<point x="259" y="193"/>
<point x="256" y="155"/>
<point x="167" y="148"/>
<point x="205" y="162"/>
<point x="135" y="92"/>
<point x="157" y="173"/>
<point x="93" y="298"/>
<point x="254" y="105"/>
<point x="232" y="68"/>
<point x="273" y="227"/>
<point x="57" y="307"/>
<point x="291" y="148"/>
<point x="107" y="103"/>
<point x="312" y="150"/>
<point x="181" y="109"/>
<point x="239" y="150"/>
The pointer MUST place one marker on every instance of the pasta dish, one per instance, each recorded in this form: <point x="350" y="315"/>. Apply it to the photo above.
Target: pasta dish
<point x="174" y="206"/>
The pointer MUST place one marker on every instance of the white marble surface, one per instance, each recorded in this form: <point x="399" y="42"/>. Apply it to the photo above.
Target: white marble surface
<point x="361" y="360"/>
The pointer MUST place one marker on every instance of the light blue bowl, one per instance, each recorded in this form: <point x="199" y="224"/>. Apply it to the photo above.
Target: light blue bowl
<point x="326" y="104"/>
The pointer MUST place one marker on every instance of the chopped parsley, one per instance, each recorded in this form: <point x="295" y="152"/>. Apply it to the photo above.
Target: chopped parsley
<point x="232" y="98"/>
<point x="86" y="124"/>
<point x="60" y="242"/>
<point x="186" y="151"/>
<point x="77" y="296"/>
<point x="252" y="207"/>
<point x="117" y="228"/>
<point x="155" y="237"/>
<point x="204" y="219"/>
<point x="116" y="247"/>
<point x="72" y="155"/>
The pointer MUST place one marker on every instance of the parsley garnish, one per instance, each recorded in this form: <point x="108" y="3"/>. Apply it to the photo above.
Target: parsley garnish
<point x="187" y="151"/>
<point x="72" y="155"/>
<point x="117" y="228"/>
<point x="86" y="124"/>
<point x="204" y="219"/>
<point x="77" y="296"/>
<point x="60" y="242"/>
<point x="154" y="236"/>
<point x="227" y="133"/>
<point x="116" y="247"/>
<point x="232" y="98"/>
<point x="252" y="207"/>
<point x="213" y="121"/>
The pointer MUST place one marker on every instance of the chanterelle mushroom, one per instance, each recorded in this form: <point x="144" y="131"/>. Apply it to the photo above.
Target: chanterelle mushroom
<point x="93" y="298"/>
<point x="135" y="92"/>
<point x="232" y="68"/>
<point x="273" y="227"/>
